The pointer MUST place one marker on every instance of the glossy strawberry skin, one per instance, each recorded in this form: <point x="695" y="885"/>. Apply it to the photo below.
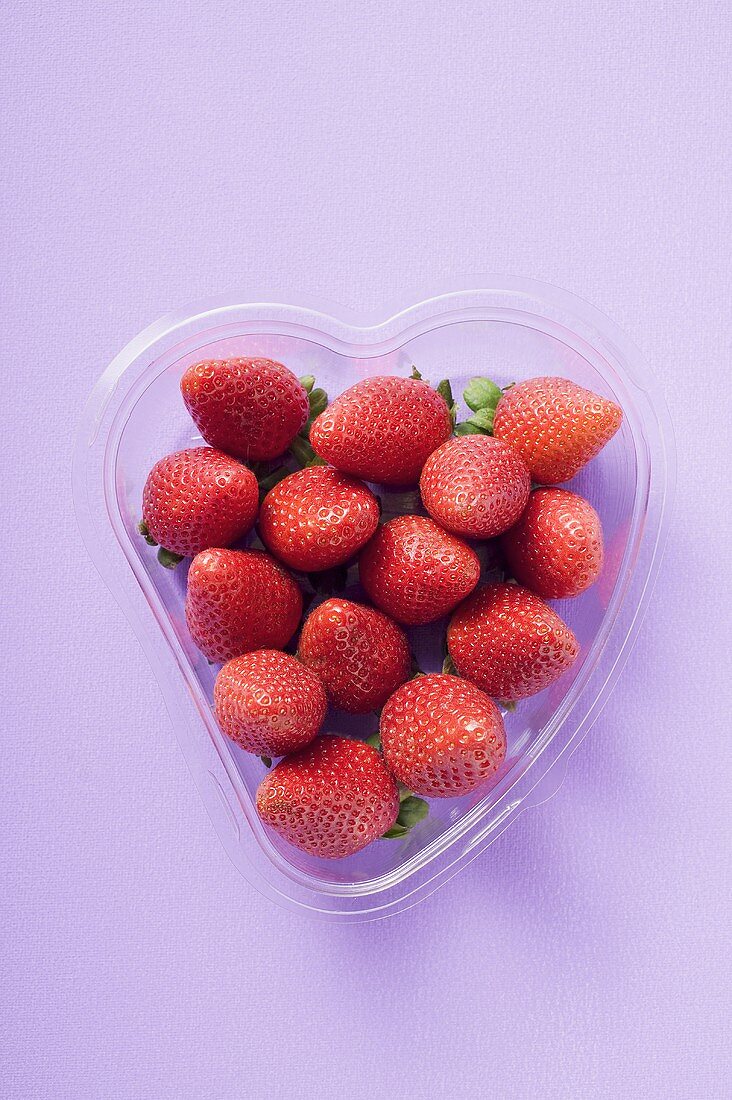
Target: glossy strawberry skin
<point x="317" y="518"/>
<point x="556" y="548"/>
<point x="475" y="486"/>
<point x="555" y="425"/>
<point x="240" y="600"/>
<point x="199" y="498"/>
<point x="415" y="571"/>
<point x="252" y="408"/>
<point x="382" y="429"/>
<point x="441" y="736"/>
<point x="360" y="655"/>
<point x="268" y="702"/>
<point x="331" y="798"/>
<point x="509" y="642"/>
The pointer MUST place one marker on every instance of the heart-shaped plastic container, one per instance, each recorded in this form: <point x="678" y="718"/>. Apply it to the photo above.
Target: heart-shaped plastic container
<point x="512" y="329"/>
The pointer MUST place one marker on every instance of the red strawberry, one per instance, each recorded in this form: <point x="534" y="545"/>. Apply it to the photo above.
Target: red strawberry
<point x="331" y="798"/>
<point x="268" y="702"/>
<point x="253" y="408"/>
<point x="198" y="498"/>
<point x="509" y="642"/>
<point x="555" y="549"/>
<point x="441" y="736"/>
<point x="415" y="571"/>
<point x="475" y="486"/>
<point x="555" y="425"/>
<point x="317" y="518"/>
<point x="359" y="654"/>
<point x="382" y="429"/>
<point x="240" y="600"/>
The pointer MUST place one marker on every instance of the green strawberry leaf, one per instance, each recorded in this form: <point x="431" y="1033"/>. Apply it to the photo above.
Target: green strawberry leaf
<point x="466" y="428"/>
<point x="483" y="420"/>
<point x="307" y="382"/>
<point x="374" y="740"/>
<point x="415" y="373"/>
<point x="481" y="393"/>
<point x="304" y="454"/>
<point x="318" y="403"/>
<point x="143" y="529"/>
<point x="168" y="558"/>
<point x="448" y="666"/>
<point x="412" y="810"/>
<point x="414" y="667"/>
<point x="267" y="761"/>
<point x="508" y="705"/>
<point x="268" y="481"/>
<point x="445" y="390"/>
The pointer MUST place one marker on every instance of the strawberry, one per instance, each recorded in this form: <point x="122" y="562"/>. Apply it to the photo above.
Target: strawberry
<point x="195" y="499"/>
<point x="509" y="642"/>
<point x="555" y="425"/>
<point x="441" y="736"/>
<point x="382" y="429"/>
<point x="555" y="549"/>
<point x="240" y="600"/>
<point x="252" y="408"/>
<point x="415" y="571"/>
<point x="269" y="703"/>
<point x="360" y="655"/>
<point x="317" y="518"/>
<point x="331" y="798"/>
<point x="475" y="486"/>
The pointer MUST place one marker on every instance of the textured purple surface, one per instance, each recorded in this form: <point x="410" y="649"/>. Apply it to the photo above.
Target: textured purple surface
<point x="162" y="153"/>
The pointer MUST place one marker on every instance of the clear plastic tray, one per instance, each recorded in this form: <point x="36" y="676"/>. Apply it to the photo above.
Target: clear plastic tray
<point x="510" y="330"/>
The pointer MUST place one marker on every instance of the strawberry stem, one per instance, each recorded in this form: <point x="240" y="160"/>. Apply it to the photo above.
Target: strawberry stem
<point x="168" y="559"/>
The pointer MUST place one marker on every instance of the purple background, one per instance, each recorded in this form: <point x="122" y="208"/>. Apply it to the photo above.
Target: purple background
<point x="161" y="153"/>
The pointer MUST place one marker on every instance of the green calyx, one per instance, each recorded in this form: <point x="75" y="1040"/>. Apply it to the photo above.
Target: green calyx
<point x="318" y="403"/>
<point x="509" y="705"/>
<point x="269" y="480"/>
<point x="300" y="447"/>
<point x="144" y="531"/>
<point x="448" y="667"/>
<point x="481" y="395"/>
<point x="267" y="761"/>
<point x="303" y="453"/>
<point x="415" y="374"/>
<point x="374" y="740"/>
<point x="414" y="668"/>
<point x="168" y="558"/>
<point x="466" y="428"/>
<point x="412" y="810"/>
<point x="445" y="391"/>
<point x="307" y="382"/>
